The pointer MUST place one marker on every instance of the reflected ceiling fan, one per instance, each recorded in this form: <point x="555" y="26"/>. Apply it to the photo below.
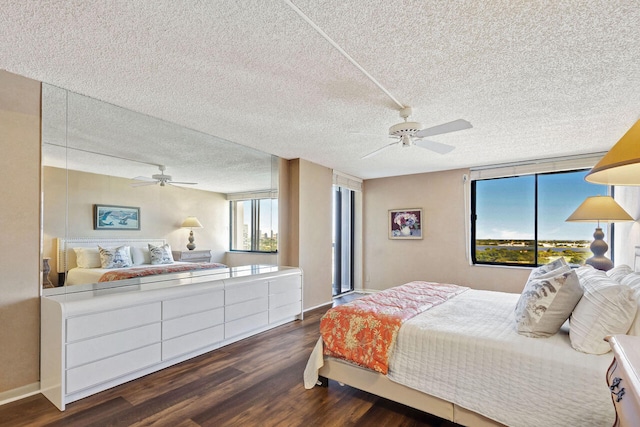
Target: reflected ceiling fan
<point x="411" y="133"/>
<point x="158" y="178"/>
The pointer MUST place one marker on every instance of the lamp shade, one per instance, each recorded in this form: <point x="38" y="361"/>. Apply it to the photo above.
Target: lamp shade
<point x="191" y="222"/>
<point x="599" y="208"/>
<point x="621" y="165"/>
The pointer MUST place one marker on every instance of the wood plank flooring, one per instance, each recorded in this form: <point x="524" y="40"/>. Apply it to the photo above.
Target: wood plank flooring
<point x="254" y="382"/>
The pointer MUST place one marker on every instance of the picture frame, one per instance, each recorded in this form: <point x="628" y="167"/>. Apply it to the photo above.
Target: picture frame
<point x="113" y="217"/>
<point x="405" y="224"/>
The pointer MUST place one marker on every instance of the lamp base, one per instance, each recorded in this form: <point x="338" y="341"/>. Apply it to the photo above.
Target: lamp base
<point x="191" y="246"/>
<point x="599" y="247"/>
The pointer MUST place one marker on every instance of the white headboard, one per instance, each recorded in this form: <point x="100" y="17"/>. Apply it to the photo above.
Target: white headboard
<point x="636" y="260"/>
<point x="67" y="256"/>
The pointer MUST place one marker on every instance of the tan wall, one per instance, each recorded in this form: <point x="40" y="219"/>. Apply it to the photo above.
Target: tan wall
<point x="441" y="254"/>
<point x="162" y="210"/>
<point x="310" y="228"/>
<point x="20" y="230"/>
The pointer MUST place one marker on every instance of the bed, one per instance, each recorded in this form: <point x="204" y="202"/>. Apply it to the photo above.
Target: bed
<point x="463" y="360"/>
<point x="78" y="261"/>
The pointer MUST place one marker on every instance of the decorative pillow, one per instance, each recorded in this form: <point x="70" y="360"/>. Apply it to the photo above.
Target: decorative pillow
<point x="87" y="257"/>
<point x="547" y="301"/>
<point x="619" y="272"/>
<point x="119" y="257"/>
<point x="544" y="269"/>
<point x="633" y="281"/>
<point x="140" y="256"/>
<point x="160" y="254"/>
<point x="606" y="308"/>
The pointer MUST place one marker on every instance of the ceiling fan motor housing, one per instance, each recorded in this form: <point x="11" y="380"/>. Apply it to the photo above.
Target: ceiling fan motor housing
<point x="405" y="128"/>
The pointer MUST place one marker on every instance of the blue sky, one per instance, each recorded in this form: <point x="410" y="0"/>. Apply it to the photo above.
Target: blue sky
<point x="505" y="207"/>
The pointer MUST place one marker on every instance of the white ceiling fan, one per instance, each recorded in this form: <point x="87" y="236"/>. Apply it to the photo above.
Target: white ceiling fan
<point x="411" y="133"/>
<point x="158" y="178"/>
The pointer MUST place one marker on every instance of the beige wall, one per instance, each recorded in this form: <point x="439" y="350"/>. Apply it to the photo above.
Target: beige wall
<point x="162" y="210"/>
<point x="20" y="230"/>
<point x="310" y="228"/>
<point x="441" y="255"/>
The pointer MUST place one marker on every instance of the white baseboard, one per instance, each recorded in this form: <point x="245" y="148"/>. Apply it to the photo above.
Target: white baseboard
<point x="19" y="393"/>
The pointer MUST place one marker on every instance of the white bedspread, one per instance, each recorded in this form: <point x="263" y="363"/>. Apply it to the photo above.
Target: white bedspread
<point x="79" y="276"/>
<point x="466" y="351"/>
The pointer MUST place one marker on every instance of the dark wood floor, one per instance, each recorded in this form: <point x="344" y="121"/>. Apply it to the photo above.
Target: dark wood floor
<point x="257" y="381"/>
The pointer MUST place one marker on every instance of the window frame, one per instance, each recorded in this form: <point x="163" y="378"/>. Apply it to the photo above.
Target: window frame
<point x="474" y="218"/>
<point x="255" y="225"/>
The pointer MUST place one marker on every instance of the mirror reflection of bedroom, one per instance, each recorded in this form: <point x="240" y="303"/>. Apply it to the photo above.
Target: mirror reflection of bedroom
<point x="116" y="178"/>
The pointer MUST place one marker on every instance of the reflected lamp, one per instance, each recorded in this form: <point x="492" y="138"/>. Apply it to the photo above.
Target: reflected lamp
<point x="596" y="209"/>
<point x="191" y="222"/>
<point x="621" y="165"/>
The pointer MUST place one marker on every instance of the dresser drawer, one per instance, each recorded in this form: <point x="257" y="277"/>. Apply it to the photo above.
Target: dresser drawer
<point x="246" y="324"/>
<point x="285" y="284"/>
<point x="90" y="350"/>
<point x="191" y="342"/>
<point x="285" y="298"/>
<point x="93" y="325"/>
<point x="246" y="308"/>
<point x="108" y="369"/>
<point x="194" y="322"/>
<point x="285" y="312"/>
<point x="193" y="304"/>
<point x="245" y="291"/>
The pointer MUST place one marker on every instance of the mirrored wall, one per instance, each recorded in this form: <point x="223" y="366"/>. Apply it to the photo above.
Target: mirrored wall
<point x="99" y="158"/>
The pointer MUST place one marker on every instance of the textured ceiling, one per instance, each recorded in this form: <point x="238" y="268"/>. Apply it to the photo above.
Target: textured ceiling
<point x="537" y="79"/>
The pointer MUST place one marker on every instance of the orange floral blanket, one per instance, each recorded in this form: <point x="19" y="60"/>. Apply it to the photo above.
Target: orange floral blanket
<point x="150" y="270"/>
<point x="364" y="330"/>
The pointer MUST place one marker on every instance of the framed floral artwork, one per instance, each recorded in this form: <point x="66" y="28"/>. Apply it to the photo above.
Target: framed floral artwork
<point x="405" y="223"/>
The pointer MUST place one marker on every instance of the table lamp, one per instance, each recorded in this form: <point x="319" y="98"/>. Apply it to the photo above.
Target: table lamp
<point x="596" y="209"/>
<point x="621" y="165"/>
<point x="191" y="222"/>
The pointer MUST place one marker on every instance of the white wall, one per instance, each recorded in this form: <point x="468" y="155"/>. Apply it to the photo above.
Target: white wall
<point x="627" y="234"/>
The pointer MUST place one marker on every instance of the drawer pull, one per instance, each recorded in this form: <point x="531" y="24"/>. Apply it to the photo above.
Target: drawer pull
<point x="619" y="394"/>
<point x="615" y="383"/>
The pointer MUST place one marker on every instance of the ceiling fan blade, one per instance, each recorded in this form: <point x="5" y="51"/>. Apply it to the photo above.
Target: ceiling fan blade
<point x="143" y="178"/>
<point x="378" y="151"/>
<point x="142" y="184"/>
<point x="453" y="126"/>
<point x="434" y="146"/>
<point x="181" y="183"/>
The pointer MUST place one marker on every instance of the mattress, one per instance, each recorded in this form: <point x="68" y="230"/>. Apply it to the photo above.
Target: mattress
<point x="80" y="276"/>
<point x="467" y="351"/>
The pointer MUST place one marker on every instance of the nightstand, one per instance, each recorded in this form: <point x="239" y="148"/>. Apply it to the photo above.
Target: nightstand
<point x="203" y="255"/>
<point x="623" y="379"/>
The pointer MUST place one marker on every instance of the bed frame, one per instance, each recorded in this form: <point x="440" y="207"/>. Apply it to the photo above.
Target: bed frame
<point x="378" y="384"/>
<point x="67" y="256"/>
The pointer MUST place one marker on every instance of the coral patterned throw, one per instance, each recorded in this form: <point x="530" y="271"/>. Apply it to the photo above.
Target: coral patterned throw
<point x="364" y="330"/>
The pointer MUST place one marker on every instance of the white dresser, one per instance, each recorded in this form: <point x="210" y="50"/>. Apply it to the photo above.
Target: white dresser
<point x="104" y="336"/>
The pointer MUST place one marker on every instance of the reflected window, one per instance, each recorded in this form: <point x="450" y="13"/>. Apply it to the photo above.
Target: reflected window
<point x="254" y="225"/>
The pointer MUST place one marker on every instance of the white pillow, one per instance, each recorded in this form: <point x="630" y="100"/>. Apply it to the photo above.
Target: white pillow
<point x="547" y="301"/>
<point x="606" y="308"/>
<point x="87" y="257"/>
<point x="633" y="281"/>
<point x="140" y="256"/>
<point x="618" y="273"/>
<point x="160" y="254"/>
<point x="119" y="257"/>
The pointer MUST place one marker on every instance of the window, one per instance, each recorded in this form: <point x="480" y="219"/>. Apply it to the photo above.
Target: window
<point x="254" y="225"/>
<point x="343" y="239"/>
<point x="520" y="220"/>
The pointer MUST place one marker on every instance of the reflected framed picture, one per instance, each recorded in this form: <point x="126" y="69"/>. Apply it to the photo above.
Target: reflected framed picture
<point x="111" y="217"/>
<point x="405" y="223"/>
